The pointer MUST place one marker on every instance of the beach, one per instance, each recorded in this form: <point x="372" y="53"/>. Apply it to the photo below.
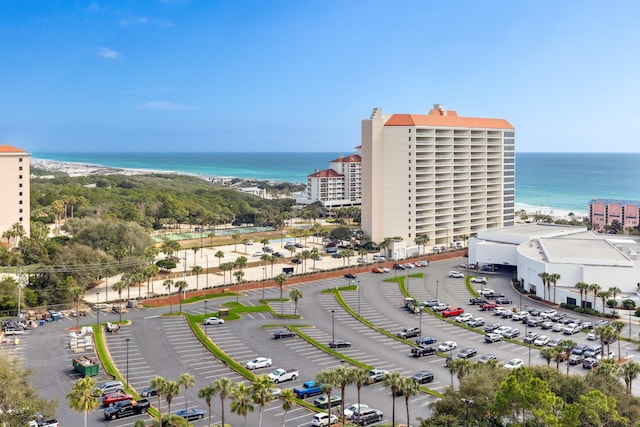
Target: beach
<point x="79" y="169"/>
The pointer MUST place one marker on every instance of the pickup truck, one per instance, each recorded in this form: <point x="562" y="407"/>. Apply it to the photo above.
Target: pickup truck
<point x="281" y="375"/>
<point x="310" y="388"/>
<point x="126" y="408"/>
<point x="422" y="351"/>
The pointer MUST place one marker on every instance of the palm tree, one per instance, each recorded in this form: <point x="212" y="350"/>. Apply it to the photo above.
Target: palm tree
<point x="594" y="287"/>
<point x="197" y="269"/>
<point x="119" y="287"/>
<point x="239" y="274"/>
<point x="567" y="346"/>
<point x="327" y="378"/>
<point x="583" y="288"/>
<point x="261" y="393"/>
<point x="171" y="390"/>
<point x="614" y="291"/>
<point x="181" y="285"/>
<point x="618" y="326"/>
<point x="460" y="367"/>
<point x="222" y="386"/>
<point x="241" y="262"/>
<point x="629" y="372"/>
<point x="186" y="380"/>
<point x="265" y="258"/>
<point x="227" y="266"/>
<point x="207" y="394"/>
<point x="305" y="255"/>
<point x="553" y="279"/>
<point x="219" y="255"/>
<point x="288" y="398"/>
<point x="168" y="284"/>
<point x="548" y="353"/>
<point x="235" y="237"/>
<point x="409" y="388"/>
<point x="159" y="385"/>
<point x="422" y="240"/>
<point x="280" y="279"/>
<point x="295" y="295"/>
<point x="343" y="379"/>
<point x="393" y="380"/>
<point x="359" y="377"/>
<point x="150" y="271"/>
<point x="603" y="295"/>
<point x="81" y="398"/>
<point x="245" y="242"/>
<point x="241" y="403"/>
<point x="545" y="279"/>
<point x="77" y="292"/>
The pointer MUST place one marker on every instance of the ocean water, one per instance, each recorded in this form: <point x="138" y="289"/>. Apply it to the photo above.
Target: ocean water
<point x="547" y="182"/>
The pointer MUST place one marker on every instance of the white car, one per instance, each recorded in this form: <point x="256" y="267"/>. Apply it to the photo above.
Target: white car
<point x="447" y="346"/>
<point x="514" y="364"/>
<point x="276" y="392"/>
<point x="322" y="419"/>
<point x="542" y="340"/>
<point x="422" y="263"/>
<point x="479" y="279"/>
<point x="545" y="314"/>
<point x="456" y="275"/>
<point x="349" y="410"/>
<point x="213" y="321"/>
<point x="591" y="336"/>
<point x="502" y="329"/>
<point x="485" y="291"/>
<point x="440" y="307"/>
<point x="258" y="253"/>
<point x="520" y="315"/>
<point x="463" y="318"/>
<point x="258" y="362"/>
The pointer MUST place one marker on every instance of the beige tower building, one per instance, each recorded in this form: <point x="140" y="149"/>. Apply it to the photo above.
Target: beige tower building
<point x="14" y="191"/>
<point x="436" y="174"/>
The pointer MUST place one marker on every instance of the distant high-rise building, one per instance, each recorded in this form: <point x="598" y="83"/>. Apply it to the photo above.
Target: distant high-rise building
<point x="602" y="213"/>
<point x="338" y="186"/>
<point x="436" y="174"/>
<point x="14" y="191"/>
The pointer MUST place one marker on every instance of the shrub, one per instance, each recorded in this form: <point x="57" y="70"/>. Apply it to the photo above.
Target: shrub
<point x="611" y="303"/>
<point x="629" y="304"/>
<point x="568" y="306"/>
<point x="637" y="312"/>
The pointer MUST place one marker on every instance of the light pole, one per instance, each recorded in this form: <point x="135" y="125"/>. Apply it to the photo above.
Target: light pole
<point x="359" y="300"/>
<point x="127" y="378"/>
<point x="98" y="308"/>
<point x="205" y="317"/>
<point x="263" y="280"/>
<point x="437" y="283"/>
<point x="333" y="326"/>
<point x="526" y="332"/>
<point x="467" y="402"/>
<point x="207" y="258"/>
<point x="420" y="328"/>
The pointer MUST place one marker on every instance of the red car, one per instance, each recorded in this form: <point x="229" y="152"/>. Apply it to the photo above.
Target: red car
<point x="452" y="311"/>
<point x="113" y="398"/>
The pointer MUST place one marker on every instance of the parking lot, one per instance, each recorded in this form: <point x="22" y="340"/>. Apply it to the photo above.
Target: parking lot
<point x="159" y="345"/>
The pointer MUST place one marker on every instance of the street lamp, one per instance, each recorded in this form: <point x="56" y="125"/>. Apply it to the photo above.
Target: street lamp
<point x="98" y="307"/>
<point x="207" y="258"/>
<point x="263" y="280"/>
<point x="437" y="283"/>
<point x="420" y="332"/>
<point x="333" y="326"/>
<point x="359" y="299"/>
<point x="205" y="317"/>
<point x="127" y="378"/>
<point x="526" y="332"/>
<point x="467" y="402"/>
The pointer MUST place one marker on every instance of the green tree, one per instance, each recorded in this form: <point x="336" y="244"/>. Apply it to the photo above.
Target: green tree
<point x="236" y="238"/>
<point x="614" y="291"/>
<point x="545" y="281"/>
<point x="553" y="280"/>
<point x="460" y="367"/>
<point x="629" y="372"/>
<point x="171" y="390"/>
<point x="186" y="380"/>
<point x="343" y="378"/>
<point x="359" y="377"/>
<point x="327" y="378"/>
<point x="295" y="295"/>
<point x="207" y="393"/>
<point x="159" y="385"/>
<point x="219" y="255"/>
<point x="261" y="393"/>
<point x="603" y="295"/>
<point x="197" y="269"/>
<point x="583" y="288"/>
<point x="223" y="387"/>
<point x="422" y="240"/>
<point x="168" y="284"/>
<point x="241" y="401"/>
<point x="591" y="410"/>
<point x="181" y="285"/>
<point x="409" y="388"/>
<point x="595" y="288"/>
<point x="567" y="346"/>
<point x="280" y="279"/>
<point x="288" y="400"/>
<point x="82" y="398"/>
<point x="77" y="293"/>
<point x="119" y="287"/>
<point x="393" y="380"/>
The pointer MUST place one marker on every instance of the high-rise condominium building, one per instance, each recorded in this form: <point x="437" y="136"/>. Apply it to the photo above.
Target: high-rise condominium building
<point x="14" y="191"/>
<point x="338" y="186"/>
<point x="437" y="174"/>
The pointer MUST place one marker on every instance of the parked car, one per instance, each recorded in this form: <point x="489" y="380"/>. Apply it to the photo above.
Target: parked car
<point x="213" y="321"/>
<point x="398" y="267"/>
<point x="148" y="392"/>
<point x="456" y="275"/>
<point x="520" y="315"/>
<point x="423" y="377"/>
<point x="571" y="329"/>
<point x="477" y="301"/>
<point x="590" y="363"/>
<point x="440" y="307"/>
<point x="479" y="279"/>
<point x="542" y="340"/>
<point x="408" y="333"/>
<point x="336" y="343"/>
<point x="283" y="333"/>
<point x="322" y="402"/>
<point x="492" y="337"/>
<point x="530" y="337"/>
<point x="546" y="314"/>
<point x="425" y="340"/>
<point x="376" y="375"/>
<point x="354" y="407"/>
<point x="486" y="358"/>
<point x="350" y="276"/>
<point x="422" y="263"/>
<point x="366" y="416"/>
<point x="511" y="333"/>
<point x="503" y="300"/>
<point x="190" y="414"/>
<point x="475" y="322"/>
<point x="109" y="387"/>
<point x="113" y="398"/>
<point x="554" y="342"/>
<point x="575" y="358"/>
<point x="591" y="336"/>
<point x="491" y="327"/>
<point x="514" y="364"/>
<point x="452" y="311"/>
<point x="258" y="362"/>
<point x="466" y="353"/>
<point x="547" y="324"/>
<point x="447" y="346"/>
<point x="322" y="419"/>
<point x="463" y="318"/>
<point x="592" y="351"/>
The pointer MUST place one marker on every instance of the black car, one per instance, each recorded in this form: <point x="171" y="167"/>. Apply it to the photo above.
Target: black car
<point x="283" y="333"/>
<point x="466" y="353"/>
<point x="398" y="267"/>
<point x="350" y="276"/>
<point x="296" y="261"/>
<point x="423" y="377"/>
<point x="148" y="391"/>
<point x="477" y="301"/>
<point x="425" y="340"/>
<point x="366" y="416"/>
<point x="336" y="343"/>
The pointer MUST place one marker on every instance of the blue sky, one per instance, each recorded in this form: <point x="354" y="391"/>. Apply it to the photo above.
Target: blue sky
<point x="180" y="75"/>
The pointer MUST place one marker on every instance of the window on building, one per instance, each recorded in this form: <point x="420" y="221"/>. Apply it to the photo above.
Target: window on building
<point x="20" y="193"/>
<point x="19" y="176"/>
<point x="409" y="176"/>
<point x="20" y="202"/>
<point x="409" y="167"/>
<point x="20" y="219"/>
<point x="409" y="141"/>
<point x="20" y="211"/>
<point x="409" y="130"/>
<point x="409" y="197"/>
<point x="19" y="168"/>
<point x="20" y="185"/>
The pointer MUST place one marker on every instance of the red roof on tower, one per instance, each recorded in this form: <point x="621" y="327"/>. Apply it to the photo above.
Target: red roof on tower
<point x="10" y="149"/>
<point x="445" y="118"/>
<point x="327" y="173"/>
<point x="353" y="158"/>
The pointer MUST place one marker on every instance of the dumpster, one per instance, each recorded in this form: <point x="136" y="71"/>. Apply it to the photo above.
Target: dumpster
<point x="223" y="312"/>
<point x="85" y="366"/>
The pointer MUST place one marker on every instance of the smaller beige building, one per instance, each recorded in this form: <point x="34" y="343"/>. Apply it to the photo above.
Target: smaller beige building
<point x="15" y="191"/>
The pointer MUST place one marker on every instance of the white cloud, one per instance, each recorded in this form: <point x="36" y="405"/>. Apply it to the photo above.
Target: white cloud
<point x="163" y="105"/>
<point x="107" y="53"/>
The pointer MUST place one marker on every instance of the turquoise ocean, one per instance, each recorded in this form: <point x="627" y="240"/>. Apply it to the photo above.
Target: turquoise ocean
<point x="544" y="181"/>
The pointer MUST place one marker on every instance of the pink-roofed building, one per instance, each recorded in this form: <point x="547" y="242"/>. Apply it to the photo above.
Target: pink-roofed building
<point x="338" y="186"/>
<point x="602" y="213"/>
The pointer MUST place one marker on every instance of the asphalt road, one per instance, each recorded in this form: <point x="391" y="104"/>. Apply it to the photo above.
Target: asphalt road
<point x="160" y="345"/>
